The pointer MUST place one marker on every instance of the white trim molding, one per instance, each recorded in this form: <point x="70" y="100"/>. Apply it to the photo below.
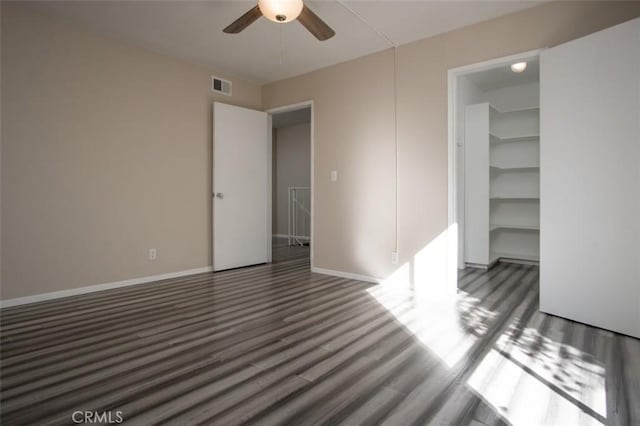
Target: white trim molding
<point x="100" y="287"/>
<point x="456" y="257"/>
<point x="295" y="107"/>
<point x="349" y="275"/>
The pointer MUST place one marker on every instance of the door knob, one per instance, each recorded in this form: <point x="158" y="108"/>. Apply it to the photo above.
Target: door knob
<point x="219" y="195"/>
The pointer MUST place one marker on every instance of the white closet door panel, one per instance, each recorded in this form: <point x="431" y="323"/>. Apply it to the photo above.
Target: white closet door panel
<point x="590" y="179"/>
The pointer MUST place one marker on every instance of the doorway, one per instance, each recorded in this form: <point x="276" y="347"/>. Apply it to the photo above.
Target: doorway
<point x="494" y="160"/>
<point x="291" y="183"/>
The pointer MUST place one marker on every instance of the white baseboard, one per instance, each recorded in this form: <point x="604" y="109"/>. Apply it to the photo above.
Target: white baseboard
<point x="100" y="287"/>
<point x="349" y="275"/>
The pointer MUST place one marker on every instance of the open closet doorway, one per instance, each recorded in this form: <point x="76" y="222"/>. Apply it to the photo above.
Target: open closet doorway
<point x="495" y="160"/>
<point x="291" y="186"/>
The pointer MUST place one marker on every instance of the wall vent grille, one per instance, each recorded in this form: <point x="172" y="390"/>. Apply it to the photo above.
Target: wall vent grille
<point x="220" y="85"/>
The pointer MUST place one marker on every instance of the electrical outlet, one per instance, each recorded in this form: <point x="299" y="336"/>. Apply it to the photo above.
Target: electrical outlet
<point x="394" y="257"/>
<point x="334" y="175"/>
<point x="153" y="254"/>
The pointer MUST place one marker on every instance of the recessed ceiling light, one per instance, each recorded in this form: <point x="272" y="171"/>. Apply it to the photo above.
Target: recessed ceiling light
<point x="519" y="66"/>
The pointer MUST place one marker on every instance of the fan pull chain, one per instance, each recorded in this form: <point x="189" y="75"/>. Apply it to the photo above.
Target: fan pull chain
<point x="281" y="45"/>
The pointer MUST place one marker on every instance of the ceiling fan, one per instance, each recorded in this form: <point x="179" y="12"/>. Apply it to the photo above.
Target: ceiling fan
<point x="282" y="11"/>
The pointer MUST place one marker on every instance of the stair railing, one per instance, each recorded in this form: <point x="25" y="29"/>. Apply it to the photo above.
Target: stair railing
<point x="299" y="215"/>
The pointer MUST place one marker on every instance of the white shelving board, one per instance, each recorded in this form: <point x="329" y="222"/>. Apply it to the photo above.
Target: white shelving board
<point x="514" y="184"/>
<point x="502" y="184"/>
<point x="523" y="152"/>
<point x="521" y="227"/>
<point x="522" y="211"/>
<point x="495" y="139"/>
<point x="515" y="198"/>
<point x="514" y="125"/>
<point x="515" y="169"/>
<point x="525" y="183"/>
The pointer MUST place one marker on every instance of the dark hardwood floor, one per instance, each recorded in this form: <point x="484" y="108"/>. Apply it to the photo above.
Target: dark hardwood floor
<point x="277" y="344"/>
<point x="281" y="251"/>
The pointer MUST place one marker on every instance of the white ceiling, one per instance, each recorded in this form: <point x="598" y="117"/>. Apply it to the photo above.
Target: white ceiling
<point x="267" y="51"/>
<point x="502" y="76"/>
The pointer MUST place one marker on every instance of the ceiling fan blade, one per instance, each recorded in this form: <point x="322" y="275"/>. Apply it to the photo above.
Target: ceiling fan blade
<point x="244" y="21"/>
<point x="315" y="25"/>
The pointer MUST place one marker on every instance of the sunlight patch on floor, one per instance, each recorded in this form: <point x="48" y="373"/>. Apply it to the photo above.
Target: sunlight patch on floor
<point x="541" y="388"/>
<point x="434" y="318"/>
<point x="436" y="325"/>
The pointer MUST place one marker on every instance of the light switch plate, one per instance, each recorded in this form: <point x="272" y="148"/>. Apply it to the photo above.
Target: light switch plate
<point x="334" y="175"/>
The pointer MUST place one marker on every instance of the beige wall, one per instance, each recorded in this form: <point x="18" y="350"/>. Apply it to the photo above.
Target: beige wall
<point x="292" y="151"/>
<point x="106" y="148"/>
<point x="106" y="152"/>
<point x="354" y="133"/>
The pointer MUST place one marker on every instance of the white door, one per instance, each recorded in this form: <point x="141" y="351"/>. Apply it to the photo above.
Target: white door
<point x="241" y="187"/>
<point x="590" y="179"/>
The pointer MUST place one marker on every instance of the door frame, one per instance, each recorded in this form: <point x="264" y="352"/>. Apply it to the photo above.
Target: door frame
<point x="452" y="153"/>
<point x="277" y="110"/>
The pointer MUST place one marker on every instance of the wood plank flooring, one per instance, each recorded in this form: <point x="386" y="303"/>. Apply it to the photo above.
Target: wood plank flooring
<point x="282" y="252"/>
<point x="277" y="344"/>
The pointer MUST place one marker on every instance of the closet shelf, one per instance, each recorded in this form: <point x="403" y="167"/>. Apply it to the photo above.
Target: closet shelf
<point x="509" y="139"/>
<point x="515" y="168"/>
<point x="521" y="110"/>
<point x="507" y="111"/>
<point x="514" y="198"/>
<point x="495" y="227"/>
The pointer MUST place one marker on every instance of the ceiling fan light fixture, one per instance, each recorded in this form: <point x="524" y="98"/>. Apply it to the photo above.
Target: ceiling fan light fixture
<point x="280" y="11"/>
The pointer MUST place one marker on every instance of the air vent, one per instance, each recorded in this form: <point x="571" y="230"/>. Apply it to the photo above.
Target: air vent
<point x="220" y="85"/>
